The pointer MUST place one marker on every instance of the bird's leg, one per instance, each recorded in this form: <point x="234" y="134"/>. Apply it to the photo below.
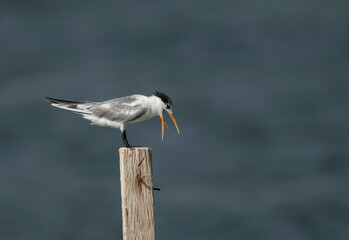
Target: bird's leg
<point x="124" y="139"/>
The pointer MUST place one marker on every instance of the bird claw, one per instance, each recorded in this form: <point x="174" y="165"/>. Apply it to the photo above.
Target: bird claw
<point x="136" y="146"/>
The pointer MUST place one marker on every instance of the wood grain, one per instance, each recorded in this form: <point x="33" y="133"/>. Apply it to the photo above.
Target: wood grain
<point x="137" y="193"/>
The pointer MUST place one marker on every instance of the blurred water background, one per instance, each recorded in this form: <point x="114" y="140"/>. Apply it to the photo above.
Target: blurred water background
<point x="260" y="92"/>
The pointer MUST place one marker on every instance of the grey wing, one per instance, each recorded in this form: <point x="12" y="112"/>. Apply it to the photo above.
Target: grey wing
<point x="125" y="109"/>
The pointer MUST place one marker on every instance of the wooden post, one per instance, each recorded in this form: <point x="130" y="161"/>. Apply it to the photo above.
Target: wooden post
<point x="137" y="193"/>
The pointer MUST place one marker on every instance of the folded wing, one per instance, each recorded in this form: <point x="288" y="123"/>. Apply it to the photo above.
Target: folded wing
<point x="123" y="110"/>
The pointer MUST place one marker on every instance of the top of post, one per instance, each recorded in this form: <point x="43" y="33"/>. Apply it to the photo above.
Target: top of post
<point x="134" y="148"/>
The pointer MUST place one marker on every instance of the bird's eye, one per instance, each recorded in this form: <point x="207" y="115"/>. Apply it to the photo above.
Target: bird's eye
<point x="168" y="106"/>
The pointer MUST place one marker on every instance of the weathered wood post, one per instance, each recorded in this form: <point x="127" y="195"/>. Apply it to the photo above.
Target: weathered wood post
<point x="137" y="193"/>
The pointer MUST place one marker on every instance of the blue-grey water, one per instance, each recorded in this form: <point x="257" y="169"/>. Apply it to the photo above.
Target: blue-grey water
<point x="260" y="92"/>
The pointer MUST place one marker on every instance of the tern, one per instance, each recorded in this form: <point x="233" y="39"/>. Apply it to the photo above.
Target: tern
<point x="118" y="112"/>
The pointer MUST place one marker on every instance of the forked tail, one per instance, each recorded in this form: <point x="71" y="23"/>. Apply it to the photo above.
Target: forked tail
<point x="74" y="106"/>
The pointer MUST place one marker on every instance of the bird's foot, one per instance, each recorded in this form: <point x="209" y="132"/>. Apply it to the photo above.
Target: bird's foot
<point x="136" y="146"/>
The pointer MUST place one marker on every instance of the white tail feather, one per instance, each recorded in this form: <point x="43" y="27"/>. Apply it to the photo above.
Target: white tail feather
<point x="78" y="108"/>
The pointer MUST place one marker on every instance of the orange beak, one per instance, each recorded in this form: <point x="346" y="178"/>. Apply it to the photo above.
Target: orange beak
<point x="174" y="121"/>
<point x="166" y="124"/>
<point x="162" y="124"/>
<point x="162" y="127"/>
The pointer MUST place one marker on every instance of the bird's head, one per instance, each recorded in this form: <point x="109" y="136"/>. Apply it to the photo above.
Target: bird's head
<point x="166" y="106"/>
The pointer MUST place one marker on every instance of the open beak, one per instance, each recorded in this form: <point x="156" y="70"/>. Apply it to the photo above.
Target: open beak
<point x="166" y="124"/>
<point x="174" y="121"/>
<point x="162" y="124"/>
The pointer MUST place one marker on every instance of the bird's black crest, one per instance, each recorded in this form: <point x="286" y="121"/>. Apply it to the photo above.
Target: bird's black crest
<point x="166" y="99"/>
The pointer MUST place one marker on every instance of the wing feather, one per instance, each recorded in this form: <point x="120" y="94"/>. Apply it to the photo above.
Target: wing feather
<point x="123" y="110"/>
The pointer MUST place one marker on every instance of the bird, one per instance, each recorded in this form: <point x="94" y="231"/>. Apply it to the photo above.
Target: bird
<point x="118" y="112"/>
